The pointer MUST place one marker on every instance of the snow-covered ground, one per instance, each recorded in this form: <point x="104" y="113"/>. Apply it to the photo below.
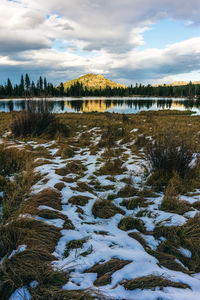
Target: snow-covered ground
<point x="116" y="243"/>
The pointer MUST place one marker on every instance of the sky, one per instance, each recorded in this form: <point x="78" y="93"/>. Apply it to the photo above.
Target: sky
<point x="129" y="41"/>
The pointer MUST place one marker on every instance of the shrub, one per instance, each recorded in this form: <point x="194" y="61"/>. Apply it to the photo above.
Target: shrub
<point x="37" y="120"/>
<point x="169" y="153"/>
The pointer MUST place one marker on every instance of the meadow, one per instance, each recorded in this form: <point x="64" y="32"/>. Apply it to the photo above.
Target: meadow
<point x="99" y="205"/>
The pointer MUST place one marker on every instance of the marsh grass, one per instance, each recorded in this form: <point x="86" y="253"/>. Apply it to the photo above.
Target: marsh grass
<point x="171" y="201"/>
<point x="42" y="238"/>
<point x="75" y="167"/>
<point x="129" y="223"/>
<point x="17" y="190"/>
<point x="186" y="236"/>
<point x="111" y="134"/>
<point x="33" y="263"/>
<point x="105" y="270"/>
<point x="37" y="121"/>
<point x="79" y="200"/>
<point x="134" y="203"/>
<point x="112" y="167"/>
<point x="129" y="190"/>
<point x="105" y="209"/>
<point x="169" y="153"/>
<point x="152" y="282"/>
<point x="137" y="236"/>
<point x="73" y="244"/>
<point x="59" y="186"/>
<point x="12" y="160"/>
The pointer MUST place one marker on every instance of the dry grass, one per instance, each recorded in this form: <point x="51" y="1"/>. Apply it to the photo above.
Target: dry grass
<point x="47" y="197"/>
<point x="79" y="200"/>
<point x="186" y="236"/>
<point x="129" y="223"/>
<point x="112" y="167"/>
<point x="37" y="121"/>
<point x="129" y="189"/>
<point x="169" y="153"/>
<point x="136" y="236"/>
<point x="74" y="244"/>
<point x="168" y="261"/>
<point x="59" y="186"/>
<point x="65" y="151"/>
<point x="152" y="282"/>
<point x="105" y="209"/>
<point x="12" y="160"/>
<point x="42" y="238"/>
<point x="32" y="264"/>
<point x="105" y="270"/>
<point x="171" y="201"/>
<point x="134" y="202"/>
<point x="16" y="191"/>
<point x="75" y="167"/>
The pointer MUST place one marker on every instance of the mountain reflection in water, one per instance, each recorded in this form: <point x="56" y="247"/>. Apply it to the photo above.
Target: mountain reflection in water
<point x="125" y="105"/>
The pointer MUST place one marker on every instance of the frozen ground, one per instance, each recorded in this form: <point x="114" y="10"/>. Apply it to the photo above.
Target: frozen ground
<point x="103" y="240"/>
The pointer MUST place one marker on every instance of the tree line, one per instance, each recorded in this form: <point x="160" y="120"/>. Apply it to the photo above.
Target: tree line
<point x="27" y="88"/>
<point x="41" y="88"/>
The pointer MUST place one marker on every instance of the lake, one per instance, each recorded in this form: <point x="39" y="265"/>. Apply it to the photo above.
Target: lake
<point x="117" y="105"/>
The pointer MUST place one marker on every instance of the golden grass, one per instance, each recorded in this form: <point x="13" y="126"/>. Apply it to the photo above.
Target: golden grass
<point x="79" y="200"/>
<point x="186" y="236"/>
<point x="105" y="209"/>
<point x="59" y="186"/>
<point x="41" y="238"/>
<point x="152" y="282"/>
<point x="105" y="270"/>
<point x="128" y="223"/>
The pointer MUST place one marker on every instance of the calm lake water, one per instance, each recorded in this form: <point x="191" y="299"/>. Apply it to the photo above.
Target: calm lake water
<point x="117" y="105"/>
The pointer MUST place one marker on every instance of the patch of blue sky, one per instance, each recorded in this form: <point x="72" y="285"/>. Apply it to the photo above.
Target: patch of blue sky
<point x="63" y="46"/>
<point x="167" y="32"/>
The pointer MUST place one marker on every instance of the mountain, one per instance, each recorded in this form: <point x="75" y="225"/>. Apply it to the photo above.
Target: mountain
<point x="177" y="83"/>
<point x="93" y="81"/>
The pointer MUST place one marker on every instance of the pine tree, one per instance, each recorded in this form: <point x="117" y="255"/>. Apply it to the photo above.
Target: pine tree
<point x="61" y="89"/>
<point x="21" y="87"/>
<point x="27" y="84"/>
<point x="9" y="89"/>
<point x="41" y="85"/>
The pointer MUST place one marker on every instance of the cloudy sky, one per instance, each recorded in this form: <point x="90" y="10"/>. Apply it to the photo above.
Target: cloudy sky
<point x="148" y="41"/>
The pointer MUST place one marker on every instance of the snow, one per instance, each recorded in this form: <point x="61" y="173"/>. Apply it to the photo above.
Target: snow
<point x="34" y="284"/>
<point x="185" y="252"/>
<point x="117" y="243"/>
<point x="20" y="249"/>
<point x="21" y="294"/>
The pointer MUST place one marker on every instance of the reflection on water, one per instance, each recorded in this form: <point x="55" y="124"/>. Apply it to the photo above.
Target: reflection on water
<point x="124" y="105"/>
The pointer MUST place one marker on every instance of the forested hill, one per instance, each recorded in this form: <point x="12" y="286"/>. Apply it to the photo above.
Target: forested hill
<point x="93" y="82"/>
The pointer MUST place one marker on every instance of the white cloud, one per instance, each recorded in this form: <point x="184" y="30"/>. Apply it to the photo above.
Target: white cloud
<point x="100" y="36"/>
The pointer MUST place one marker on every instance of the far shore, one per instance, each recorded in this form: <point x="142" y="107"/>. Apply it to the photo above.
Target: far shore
<point x="93" y="98"/>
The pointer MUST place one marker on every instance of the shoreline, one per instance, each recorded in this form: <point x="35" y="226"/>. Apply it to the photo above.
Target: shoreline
<point x="94" y="98"/>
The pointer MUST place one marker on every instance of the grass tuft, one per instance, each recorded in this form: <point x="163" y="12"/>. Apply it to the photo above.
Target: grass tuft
<point x="105" y="209"/>
<point x="152" y="282"/>
<point x="128" y="223"/>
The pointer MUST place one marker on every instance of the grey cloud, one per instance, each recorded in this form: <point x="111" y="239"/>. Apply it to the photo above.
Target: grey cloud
<point x="16" y="42"/>
<point x="111" y="28"/>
